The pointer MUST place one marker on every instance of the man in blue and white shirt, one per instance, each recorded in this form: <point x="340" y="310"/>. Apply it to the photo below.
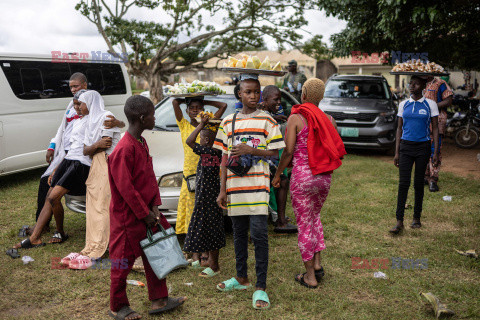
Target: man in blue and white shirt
<point x="414" y="147"/>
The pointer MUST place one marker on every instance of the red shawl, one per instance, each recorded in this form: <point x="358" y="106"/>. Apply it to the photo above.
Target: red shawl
<point x="325" y="147"/>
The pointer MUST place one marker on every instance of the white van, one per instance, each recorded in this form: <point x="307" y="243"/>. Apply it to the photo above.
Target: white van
<point x="34" y="94"/>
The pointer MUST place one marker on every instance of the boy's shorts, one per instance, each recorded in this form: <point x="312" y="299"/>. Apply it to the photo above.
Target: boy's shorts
<point x="72" y="175"/>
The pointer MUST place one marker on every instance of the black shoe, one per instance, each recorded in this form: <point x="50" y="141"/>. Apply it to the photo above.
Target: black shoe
<point x="416" y="224"/>
<point x="319" y="274"/>
<point x="433" y="187"/>
<point x="396" y="230"/>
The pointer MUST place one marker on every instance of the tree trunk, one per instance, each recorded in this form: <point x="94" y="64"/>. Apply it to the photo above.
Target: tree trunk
<point x="156" y="88"/>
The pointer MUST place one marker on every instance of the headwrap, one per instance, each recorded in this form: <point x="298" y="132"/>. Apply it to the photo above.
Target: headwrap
<point x="96" y="116"/>
<point x="79" y="93"/>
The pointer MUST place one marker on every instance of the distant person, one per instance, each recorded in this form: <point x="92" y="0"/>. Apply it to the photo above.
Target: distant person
<point x="413" y="146"/>
<point x="134" y="207"/>
<point x="294" y="80"/>
<point x="315" y="149"/>
<point x="438" y="91"/>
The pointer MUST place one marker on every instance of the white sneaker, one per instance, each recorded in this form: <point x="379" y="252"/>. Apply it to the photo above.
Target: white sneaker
<point x="80" y="263"/>
<point x="70" y="257"/>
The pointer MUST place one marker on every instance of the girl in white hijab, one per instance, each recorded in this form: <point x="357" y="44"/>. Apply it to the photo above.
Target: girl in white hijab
<point x="99" y="142"/>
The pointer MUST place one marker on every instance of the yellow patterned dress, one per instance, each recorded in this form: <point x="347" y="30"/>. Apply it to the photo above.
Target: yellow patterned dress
<point x="186" y="202"/>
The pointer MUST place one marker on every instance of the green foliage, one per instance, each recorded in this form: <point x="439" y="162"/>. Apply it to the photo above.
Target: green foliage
<point x="316" y="48"/>
<point x="447" y="30"/>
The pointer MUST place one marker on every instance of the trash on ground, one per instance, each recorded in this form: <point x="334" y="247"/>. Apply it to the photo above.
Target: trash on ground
<point x="189" y="284"/>
<point x="441" y="310"/>
<point x="380" y="275"/>
<point x="408" y="206"/>
<point x="13" y="253"/>
<point x="447" y="198"/>
<point x="468" y="253"/>
<point x="27" y="259"/>
<point x="136" y="283"/>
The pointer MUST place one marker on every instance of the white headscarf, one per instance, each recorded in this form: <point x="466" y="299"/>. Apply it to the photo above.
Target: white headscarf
<point x="96" y="116"/>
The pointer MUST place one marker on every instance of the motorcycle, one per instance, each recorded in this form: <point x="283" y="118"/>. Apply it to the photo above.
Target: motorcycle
<point x="464" y="126"/>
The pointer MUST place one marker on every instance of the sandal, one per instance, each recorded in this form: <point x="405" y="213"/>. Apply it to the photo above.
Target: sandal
<point x="13" y="253"/>
<point x="27" y="244"/>
<point x="232" y="284"/>
<point x="260" y="295"/>
<point x="319" y="274"/>
<point x="66" y="261"/>
<point x="122" y="314"/>
<point x="23" y="231"/>
<point x="58" y="235"/>
<point x="208" y="273"/>
<point x="172" y="303"/>
<point x="80" y="263"/>
<point x="196" y="265"/>
<point x="300" y="279"/>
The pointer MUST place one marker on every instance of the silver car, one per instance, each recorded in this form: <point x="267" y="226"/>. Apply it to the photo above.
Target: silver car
<point x="364" y="109"/>
<point x="167" y="152"/>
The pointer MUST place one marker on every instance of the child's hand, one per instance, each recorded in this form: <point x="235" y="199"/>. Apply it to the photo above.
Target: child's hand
<point x="276" y="181"/>
<point x="49" y="157"/>
<point x="222" y="200"/>
<point x="110" y="123"/>
<point x="50" y="177"/>
<point x="151" y="219"/>
<point x="105" y="143"/>
<point x="204" y="119"/>
<point x="241" y="149"/>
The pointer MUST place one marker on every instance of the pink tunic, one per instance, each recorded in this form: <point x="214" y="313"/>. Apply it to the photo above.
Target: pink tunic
<point x="308" y="193"/>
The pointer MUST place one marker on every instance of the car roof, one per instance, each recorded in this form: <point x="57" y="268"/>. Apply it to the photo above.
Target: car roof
<point x="356" y="77"/>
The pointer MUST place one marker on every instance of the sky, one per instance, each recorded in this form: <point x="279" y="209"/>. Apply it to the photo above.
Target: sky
<point x="43" y="26"/>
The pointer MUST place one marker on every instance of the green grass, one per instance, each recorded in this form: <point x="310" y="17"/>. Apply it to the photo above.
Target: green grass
<point x="357" y="214"/>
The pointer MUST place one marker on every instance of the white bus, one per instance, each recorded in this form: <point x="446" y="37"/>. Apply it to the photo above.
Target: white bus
<point x="34" y="94"/>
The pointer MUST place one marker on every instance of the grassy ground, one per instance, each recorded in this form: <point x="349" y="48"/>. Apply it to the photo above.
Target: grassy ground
<point x="358" y="213"/>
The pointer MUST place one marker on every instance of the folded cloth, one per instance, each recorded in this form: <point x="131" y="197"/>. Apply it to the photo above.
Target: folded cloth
<point x="325" y="147"/>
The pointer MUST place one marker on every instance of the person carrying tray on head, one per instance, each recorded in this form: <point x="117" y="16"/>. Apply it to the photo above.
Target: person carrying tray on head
<point x="186" y="202"/>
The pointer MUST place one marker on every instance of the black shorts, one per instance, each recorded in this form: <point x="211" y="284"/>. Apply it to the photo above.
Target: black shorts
<point x="72" y="175"/>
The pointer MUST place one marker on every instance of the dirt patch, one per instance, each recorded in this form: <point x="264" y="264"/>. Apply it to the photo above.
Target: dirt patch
<point x="462" y="162"/>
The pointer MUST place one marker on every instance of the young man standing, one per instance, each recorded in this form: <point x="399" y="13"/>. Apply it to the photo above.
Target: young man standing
<point x="255" y="135"/>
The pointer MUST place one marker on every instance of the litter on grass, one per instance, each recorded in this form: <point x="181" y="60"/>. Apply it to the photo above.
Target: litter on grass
<point x="27" y="259"/>
<point x="441" y="310"/>
<point x="136" y="283"/>
<point x="447" y="198"/>
<point x="189" y="284"/>
<point x="380" y="275"/>
<point x="468" y="253"/>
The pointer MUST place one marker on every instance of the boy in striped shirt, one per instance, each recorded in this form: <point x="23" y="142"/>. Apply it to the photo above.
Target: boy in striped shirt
<point x="257" y="135"/>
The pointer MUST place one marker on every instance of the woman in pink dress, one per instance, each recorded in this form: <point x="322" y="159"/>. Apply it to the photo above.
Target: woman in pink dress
<point x="315" y="150"/>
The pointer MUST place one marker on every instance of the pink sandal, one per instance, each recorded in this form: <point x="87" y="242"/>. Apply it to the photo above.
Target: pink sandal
<point x="80" y="263"/>
<point x="70" y="257"/>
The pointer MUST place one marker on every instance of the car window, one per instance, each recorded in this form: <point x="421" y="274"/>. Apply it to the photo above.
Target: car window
<point x="360" y="89"/>
<point x="165" y="117"/>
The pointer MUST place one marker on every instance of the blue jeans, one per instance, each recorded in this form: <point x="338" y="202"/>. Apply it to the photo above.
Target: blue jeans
<point x="259" y="235"/>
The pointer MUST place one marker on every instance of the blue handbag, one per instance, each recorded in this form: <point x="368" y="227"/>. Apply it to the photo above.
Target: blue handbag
<point x="163" y="251"/>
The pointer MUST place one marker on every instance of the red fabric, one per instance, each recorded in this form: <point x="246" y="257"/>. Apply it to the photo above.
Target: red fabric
<point x="157" y="289"/>
<point x="325" y="147"/>
<point x="134" y="191"/>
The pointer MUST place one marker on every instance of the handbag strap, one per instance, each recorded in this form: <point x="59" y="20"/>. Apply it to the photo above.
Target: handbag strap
<point x="150" y="233"/>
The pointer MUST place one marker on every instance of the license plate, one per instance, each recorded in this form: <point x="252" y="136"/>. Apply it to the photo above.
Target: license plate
<point x="349" y="132"/>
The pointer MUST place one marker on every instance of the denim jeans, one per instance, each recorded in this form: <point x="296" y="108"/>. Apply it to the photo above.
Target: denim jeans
<point x="259" y="235"/>
<point x="410" y="153"/>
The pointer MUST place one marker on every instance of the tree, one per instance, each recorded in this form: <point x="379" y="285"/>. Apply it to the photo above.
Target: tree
<point x="193" y="31"/>
<point x="316" y="48"/>
<point x="447" y="30"/>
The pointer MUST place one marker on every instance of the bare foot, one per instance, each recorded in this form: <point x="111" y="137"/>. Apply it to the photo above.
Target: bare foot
<point x="242" y="281"/>
<point x="132" y="316"/>
<point x="311" y="282"/>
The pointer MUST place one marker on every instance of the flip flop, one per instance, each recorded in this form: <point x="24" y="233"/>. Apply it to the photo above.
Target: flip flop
<point x="13" y="253"/>
<point x="26" y="244"/>
<point x="58" y="235"/>
<point x="232" y="284"/>
<point x="289" y="228"/>
<point x="208" y="273"/>
<point x="122" y="313"/>
<point x="319" y="274"/>
<point x="196" y="265"/>
<point x="172" y="303"/>
<point x="260" y="295"/>
<point x="300" y="279"/>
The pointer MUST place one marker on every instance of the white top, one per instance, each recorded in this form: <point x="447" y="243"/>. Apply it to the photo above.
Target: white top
<point x="77" y="137"/>
<point x="70" y="116"/>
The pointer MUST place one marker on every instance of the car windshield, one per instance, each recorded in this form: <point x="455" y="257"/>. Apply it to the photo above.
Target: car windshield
<point x="165" y="116"/>
<point x="359" y="89"/>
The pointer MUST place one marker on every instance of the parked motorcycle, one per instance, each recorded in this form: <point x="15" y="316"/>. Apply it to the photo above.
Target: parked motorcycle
<point x="464" y="126"/>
